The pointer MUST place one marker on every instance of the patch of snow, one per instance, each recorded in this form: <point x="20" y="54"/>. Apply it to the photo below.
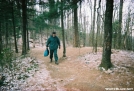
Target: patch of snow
<point x="121" y="60"/>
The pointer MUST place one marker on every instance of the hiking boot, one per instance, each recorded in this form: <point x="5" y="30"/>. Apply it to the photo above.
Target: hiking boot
<point x="56" y="63"/>
<point x="50" y="60"/>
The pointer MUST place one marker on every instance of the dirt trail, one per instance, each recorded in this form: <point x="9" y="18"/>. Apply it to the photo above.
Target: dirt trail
<point x="71" y="74"/>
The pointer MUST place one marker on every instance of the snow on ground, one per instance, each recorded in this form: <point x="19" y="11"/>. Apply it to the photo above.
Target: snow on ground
<point x="120" y="59"/>
<point x="42" y="81"/>
<point x="28" y="76"/>
<point x="22" y="68"/>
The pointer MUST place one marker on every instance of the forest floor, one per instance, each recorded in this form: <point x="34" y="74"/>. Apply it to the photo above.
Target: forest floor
<point x="79" y="71"/>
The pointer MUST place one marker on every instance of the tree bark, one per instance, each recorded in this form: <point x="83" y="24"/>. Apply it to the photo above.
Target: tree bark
<point x="106" y="56"/>
<point x="120" y="24"/>
<point x="24" y="14"/>
<point x="76" y="32"/>
<point x="63" y="35"/>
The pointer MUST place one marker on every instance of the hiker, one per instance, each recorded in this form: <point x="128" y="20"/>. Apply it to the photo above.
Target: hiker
<point x="53" y="43"/>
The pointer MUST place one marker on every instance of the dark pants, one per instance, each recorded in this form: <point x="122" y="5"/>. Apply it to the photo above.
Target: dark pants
<point x="55" y="55"/>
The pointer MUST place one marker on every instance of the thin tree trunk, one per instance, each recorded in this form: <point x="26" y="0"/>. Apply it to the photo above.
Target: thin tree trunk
<point x="114" y="12"/>
<point x="14" y="30"/>
<point x="24" y="14"/>
<point x="62" y="25"/>
<point x="96" y="39"/>
<point x="34" y="38"/>
<point x="120" y="24"/>
<point x="67" y="32"/>
<point x="102" y="29"/>
<point x="132" y="33"/>
<point x="28" y="48"/>
<point x="106" y="56"/>
<point x="115" y="39"/>
<point x="98" y="26"/>
<point x="114" y="33"/>
<point x="125" y="35"/>
<point x="6" y="32"/>
<point x="90" y="34"/>
<point x="0" y="39"/>
<point x="84" y="33"/>
<point x="93" y="29"/>
<point x="41" y="37"/>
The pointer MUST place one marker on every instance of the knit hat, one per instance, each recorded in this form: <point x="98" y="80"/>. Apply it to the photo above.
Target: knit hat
<point x="53" y="32"/>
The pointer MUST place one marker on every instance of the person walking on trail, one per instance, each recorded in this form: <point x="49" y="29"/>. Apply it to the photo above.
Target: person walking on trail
<point x="53" y="43"/>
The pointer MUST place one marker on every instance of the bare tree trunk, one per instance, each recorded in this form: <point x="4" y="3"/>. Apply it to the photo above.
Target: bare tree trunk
<point x="0" y="39"/>
<point x="98" y="26"/>
<point x="14" y="30"/>
<point x="76" y="32"/>
<point x="125" y="36"/>
<point x="102" y="28"/>
<point x="24" y="15"/>
<point x="63" y="35"/>
<point x="34" y="38"/>
<point x="114" y="12"/>
<point x="6" y="32"/>
<point x="106" y="56"/>
<point x="67" y="33"/>
<point x="93" y="30"/>
<point x="132" y="22"/>
<point x="90" y="34"/>
<point x="41" y="37"/>
<point x="120" y="24"/>
<point x="27" y="33"/>
<point x="84" y="32"/>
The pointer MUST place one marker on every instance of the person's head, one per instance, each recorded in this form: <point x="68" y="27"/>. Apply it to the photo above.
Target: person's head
<point x="53" y="34"/>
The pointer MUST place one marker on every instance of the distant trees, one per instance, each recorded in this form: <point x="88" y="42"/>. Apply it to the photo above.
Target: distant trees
<point x="20" y="19"/>
<point x="115" y="26"/>
<point x="127" y="35"/>
<point x="8" y="24"/>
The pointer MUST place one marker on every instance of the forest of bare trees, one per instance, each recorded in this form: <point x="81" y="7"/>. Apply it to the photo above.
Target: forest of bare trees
<point x="80" y="25"/>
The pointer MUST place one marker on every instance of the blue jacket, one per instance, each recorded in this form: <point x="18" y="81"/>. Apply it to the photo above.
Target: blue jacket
<point x="53" y="42"/>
